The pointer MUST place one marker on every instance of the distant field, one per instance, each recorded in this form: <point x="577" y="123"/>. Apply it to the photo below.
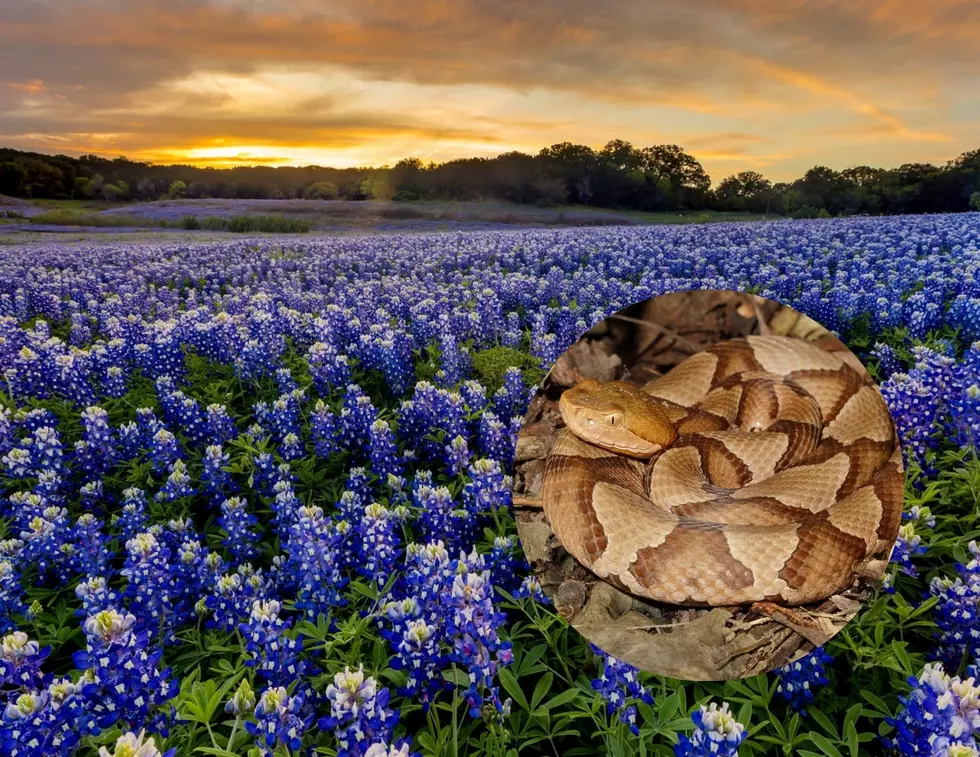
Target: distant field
<point x="290" y="216"/>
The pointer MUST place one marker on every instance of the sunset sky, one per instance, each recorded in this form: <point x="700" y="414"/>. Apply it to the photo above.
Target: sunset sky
<point x="741" y="84"/>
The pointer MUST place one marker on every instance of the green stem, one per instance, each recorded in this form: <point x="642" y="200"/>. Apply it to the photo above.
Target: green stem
<point x="234" y="732"/>
<point x="214" y="741"/>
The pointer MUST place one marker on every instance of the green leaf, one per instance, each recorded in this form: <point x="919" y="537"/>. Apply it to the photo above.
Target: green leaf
<point x="542" y="688"/>
<point x="823" y="744"/>
<point x="745" y="713"/>
<point x="669" y="707"/>
<point x="898" y="649"/>
<point x="825" y="722"/>
<point x="851" y="736"/>
<point x="531" y="657"/>
<point x="456" y="676"/>
<point x="513" y="688"/>
<point x="558" y="700"/>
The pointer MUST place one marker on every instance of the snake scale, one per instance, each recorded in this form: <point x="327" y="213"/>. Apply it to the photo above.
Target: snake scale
<point x="759" y="469"/>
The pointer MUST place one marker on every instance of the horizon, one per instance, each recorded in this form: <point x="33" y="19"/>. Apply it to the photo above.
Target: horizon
<point x="714" y="179"/>
<point x="770" y="87"/>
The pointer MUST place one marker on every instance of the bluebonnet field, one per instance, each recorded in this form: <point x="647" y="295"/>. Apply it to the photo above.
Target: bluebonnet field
<point x="255" y="496"/>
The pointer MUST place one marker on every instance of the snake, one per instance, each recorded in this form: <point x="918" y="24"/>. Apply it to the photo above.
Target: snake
<point x="759" y="469"/>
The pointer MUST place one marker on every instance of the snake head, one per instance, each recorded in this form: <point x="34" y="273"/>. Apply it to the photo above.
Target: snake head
<point x="617" y="416"/>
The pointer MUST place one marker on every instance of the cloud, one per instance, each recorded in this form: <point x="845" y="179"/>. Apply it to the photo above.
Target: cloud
<point x="442" y="76"/>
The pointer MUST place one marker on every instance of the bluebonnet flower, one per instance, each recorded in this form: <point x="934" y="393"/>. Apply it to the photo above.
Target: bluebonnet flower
<point x="474" y="396"/>
<point x="217" y="482"/>
<point x="132" y="518"/>
<point x="503" y="563"/>
<point x="242" y="701"/>
<point x="380" y="545"/>
<point x="940" y="713"/>
<point x="230" y="602"/>
<point x="441" y="518"/>
<point x="314" y="561"/>
<point x="11" y="594"/>
<point x="495" y="438"/>
<point x="457" y="455"/>
<point x="291" y="447"/>
<point x="45" y="721"/>
<point x="398" y="749"/>
<point x="619" y="684"/>
<point x="280" y="720"/>
<point x="151" y="586"/>
<point x="488" y="490"/>
<point x="220" y="425"/>
<point x="454" y="360"/>
<point x="20" y="661"/>
<point x="531" y="588"/>
<point x="123" y="681"/>
<point x="356" y="417"/>
<point x="285" y="381"/>
<point x="799" y="679"/>
<point x="285" y="506"/>
<point x="908" y="544"/>
<point x="130" y="441"/>
<point x="164" y="449"/>
<point x="95" y="595"/>
<point x="328" y="368"/>
<point x="359" y="715"/>
<point x="888" y="362"/>
<point x="135" y="745"/>
<point x="254" y="360"/>
<point x="95" y="452"/>
<point x="273" y="653"/>
<point x="417" y="651"/>
<point x="114" y="382"/>
<point x="177" y="485"/>
<point x="93" y="498"/>
<point x="717" y="732"/>
<point x="239" y="526"/>
<point x="956" y="612"/>
<point x="44" y="536"/>
<point x="87" y="550"/>
<point x="283" y="416"/>
<point x="385" y="458"/>
<point x="265" y="475"/>
<point x="911" y="398"/>
<point x="323" y="429"/>
<point x="473" y="626"/>
<point x="392" y="356"/>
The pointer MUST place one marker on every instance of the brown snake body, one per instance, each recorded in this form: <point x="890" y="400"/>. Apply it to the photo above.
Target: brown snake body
<point x="760" y="469"/>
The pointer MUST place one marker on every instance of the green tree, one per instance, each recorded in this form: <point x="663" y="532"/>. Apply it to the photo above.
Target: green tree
<point x="748" y="190"/>
<point x="975" y="201"/>
<point x="95" y="187"/>
<point x="321" y="190"/>
<point x="80" y="187"/>
<point x="177" y="190"/>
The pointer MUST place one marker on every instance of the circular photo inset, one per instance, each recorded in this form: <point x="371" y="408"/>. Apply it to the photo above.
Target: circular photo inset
<point x="709" y="485"/>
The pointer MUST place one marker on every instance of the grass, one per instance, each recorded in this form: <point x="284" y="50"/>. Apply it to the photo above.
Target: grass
<point x="243" y="224"/>
<point x="75" y="205"/>
<point x="69" y="217"/>
<point x="246" y="224"/>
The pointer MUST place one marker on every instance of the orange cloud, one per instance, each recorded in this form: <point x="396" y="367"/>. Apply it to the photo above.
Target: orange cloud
<point x="30" y="87"/>
<point x="821" y="80"/>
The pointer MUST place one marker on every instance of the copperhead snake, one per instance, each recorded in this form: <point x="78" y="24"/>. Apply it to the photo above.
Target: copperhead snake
<point x="759" y="469"/>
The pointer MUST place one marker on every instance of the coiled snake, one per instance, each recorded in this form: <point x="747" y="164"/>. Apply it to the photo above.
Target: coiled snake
<point x="760" y="469"/>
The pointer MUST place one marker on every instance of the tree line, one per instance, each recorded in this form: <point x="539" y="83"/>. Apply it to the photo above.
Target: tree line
<point x="620" y="176"/>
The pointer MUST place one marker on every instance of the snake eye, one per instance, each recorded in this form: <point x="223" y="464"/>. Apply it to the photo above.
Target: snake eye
<point x="614" y="419"/>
